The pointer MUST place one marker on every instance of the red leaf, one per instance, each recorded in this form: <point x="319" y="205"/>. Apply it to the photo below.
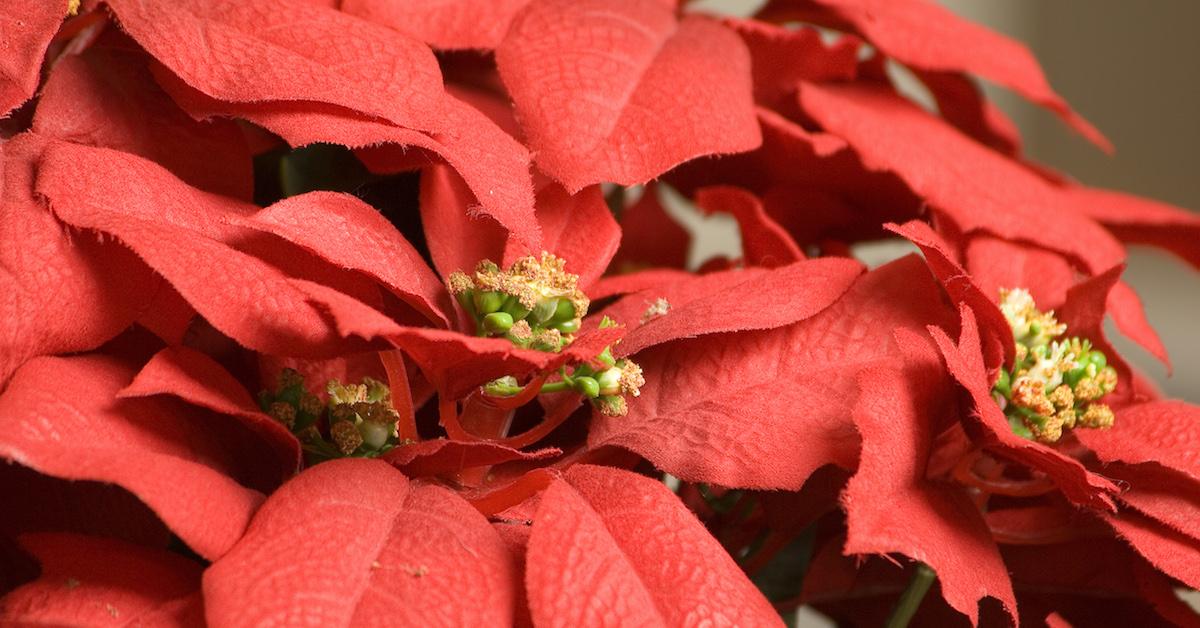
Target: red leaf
<point x="495" y="166"/>
<point x="306" y="53"/>
<point x="735" y="300"/>
<point x="764" y="241"/>
<point x="891" y="508"/>
<point x="783" y="57"/>
<point x="61" y="417"/>
<point x="452" y="25"/>
<point x="1166" y="432"/>
<point x="578" y="228"/>
<point x="976" y="187"/>
<point x="437" y="457"/>
<point x="617" y="285"/>
<point x="962" y="103"/>
<point x="636" y="556"/>
<point x="995" y="263"/>
<point x="650" y="236"/>
<point x="764" y="409"/>
<point x="154" y="213"/>
<point x="26" y="28"/>
<point x="458" y="238"/>
<point x="965" y="363"/>
<point x="1171" y="552"/>
<point x="1161" y="493"/>
<point x="962" y="289"/>
<point x="1143" y="221"/>
<point x="353" y="542"/>
<point x="107" y="97"/>
<point x="90" y="581"/>
<point x="928" y="36"/>
<point x="98" y="287"/>
<point x="348" y="233"/>
<point x="1126" y="309"/>
<point x="201" y="381"/>
<point x="621" y="92"/>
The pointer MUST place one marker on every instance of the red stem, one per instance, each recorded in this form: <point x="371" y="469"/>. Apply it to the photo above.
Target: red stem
<point x="402" y="402"/>
<point x="964" y="472"/>
<point x="515" y="492"/>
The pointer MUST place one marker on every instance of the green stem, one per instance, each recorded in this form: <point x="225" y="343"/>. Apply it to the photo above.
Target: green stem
<point x="910" y="600"/>
<point x="512" y="391"/>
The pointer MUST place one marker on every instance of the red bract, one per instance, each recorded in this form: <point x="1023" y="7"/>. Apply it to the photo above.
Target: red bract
<point x="353" y="541"/>
<point x="608" y="91"/>
<point x="95" y="581"/>
<point x="292" y="323"/>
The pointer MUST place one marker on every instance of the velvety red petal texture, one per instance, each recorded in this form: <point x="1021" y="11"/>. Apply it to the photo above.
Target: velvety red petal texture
<point x="26" y="28"/>
<point x="99" y="286"/>
<point x="998" y="341"/>
<point x="764" y="409"/>
<point x="306" y="53"/>
<point x="1143" y="221"/>
<point x="611" y="90"/>
<point x="494" y="165"/>
<point x="107" y="97"/>
<point x="634" y="555"/>
<point x="764" y="241"/>
<point x="445" y="25"/>
<point x="961" y="102"/>
<point x="348" y="233"/>
<point x="92" y="581"/>
<point x="60" y="416"/>
<point x="199" y="380"/>
<point x="458" y="238"/>
<point x="165" y="222"/>
<point x="1175" y="553"/>
<point x="783" y="57"/>
<point x="979" y="189"/>
<point x="577" y="228"/>
<point x="354" y="542"/>
<point x="1166" y="432"/>
<point x="964" y="361"/>
<point x="928" y="36"/>
<point x="890" y="507"/>
<point x="734" y="300"/>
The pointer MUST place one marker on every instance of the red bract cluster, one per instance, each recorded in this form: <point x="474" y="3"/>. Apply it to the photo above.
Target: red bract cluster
<point x="372" y="312"/>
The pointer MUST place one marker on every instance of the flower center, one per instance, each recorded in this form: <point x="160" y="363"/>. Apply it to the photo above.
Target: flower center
<point x="1055" y="383"/>
<point x="361" y="420"/>
<point x="535" y="303"/>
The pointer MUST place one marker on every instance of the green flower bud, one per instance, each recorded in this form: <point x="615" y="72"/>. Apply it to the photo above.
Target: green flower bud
<point x="1097" y="359"/>
<point x="606" y="357"/>
<point x="544" y="310"/>
<point x="488" y="302"/>
<point x="565" y="311"/>
<point x="610" y="381"/>
<point x="587" y="387"/>
<point x="497" y="322"/>
<point x="502" y="387"/>
<point x="374" y="435"/>
<point x="568" y="327"/>
<point x="1003" y="384"/>
<point x="512" y="306"/>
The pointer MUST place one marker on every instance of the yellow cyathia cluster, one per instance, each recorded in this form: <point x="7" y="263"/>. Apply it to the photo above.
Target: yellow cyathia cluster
<point x="535" y="303"/>
<point x="1054" y="385"/>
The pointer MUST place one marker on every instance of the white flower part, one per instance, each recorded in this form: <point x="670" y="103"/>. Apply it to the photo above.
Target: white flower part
<point x="1050" y="364"/>
<point x="660" y="307"/>
<point x="1029" y="325"/>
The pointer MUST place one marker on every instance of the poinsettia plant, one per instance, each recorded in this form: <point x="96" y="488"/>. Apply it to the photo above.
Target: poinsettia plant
<point x="368" y="312"/>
